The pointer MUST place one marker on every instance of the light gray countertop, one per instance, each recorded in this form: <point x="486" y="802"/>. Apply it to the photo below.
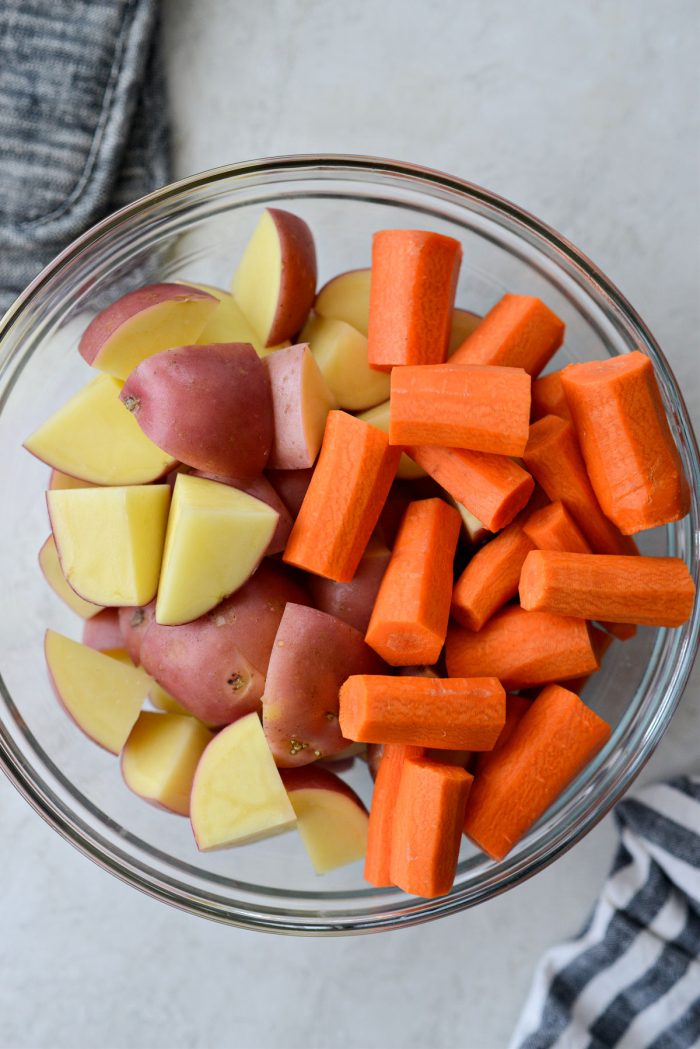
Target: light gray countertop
<point x="587" y="115"/>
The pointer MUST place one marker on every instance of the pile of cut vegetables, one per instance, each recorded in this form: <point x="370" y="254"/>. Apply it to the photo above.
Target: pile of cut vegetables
<point x="305" y="529"/>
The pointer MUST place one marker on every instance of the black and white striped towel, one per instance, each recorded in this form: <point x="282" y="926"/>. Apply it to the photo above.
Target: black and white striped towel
<point x="83" y="123"/>
<point x="631" y="979"/>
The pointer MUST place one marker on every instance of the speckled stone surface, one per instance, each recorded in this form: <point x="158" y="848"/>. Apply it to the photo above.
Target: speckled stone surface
<point x="587" y="115"/>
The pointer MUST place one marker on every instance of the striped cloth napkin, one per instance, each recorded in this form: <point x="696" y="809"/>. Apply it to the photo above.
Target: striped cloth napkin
<point x="631" y="979"/>
<point x="83" y="123"/>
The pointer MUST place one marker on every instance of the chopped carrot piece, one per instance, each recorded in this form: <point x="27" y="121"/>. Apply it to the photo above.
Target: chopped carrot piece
<point x="428" y="824"/>
<point x="516" y="707"/>
<point x="345" y="496"/>
<point x="446" y="714"/>
<point x="467" y="406"/>
<point x="551" y="744"/>
<point x="548" y="398"/>
<point x="491" y="578"/>
<point x="553" y="528"/>
<point x="411" y="610"/>
<point x="519" y="332"/>
<point x="631" y="458"/>
<point x="411" y="296"/>
<point x="650" y="591"/>
<point x="622" y="631"/>
<point x="522" y="649"/>
<point x="382" y="809"/>
<point x="553" y="458"/>
<point x="492" y="487"/>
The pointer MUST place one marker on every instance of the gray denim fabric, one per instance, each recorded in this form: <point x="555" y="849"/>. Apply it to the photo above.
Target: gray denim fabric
<point x="83" y="123"/>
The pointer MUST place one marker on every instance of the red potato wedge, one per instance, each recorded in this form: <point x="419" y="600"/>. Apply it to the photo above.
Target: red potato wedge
<point x="212" y="403"/>
<point x="102" y="632"/>
<point x="144" y="322"/>
<point x="353" y="602"/>
<point x="291" y="486"/>
<point x="341" y="354"/>
<point x="50" y="566"/>
<point x="133" y="623"/>
<point x="261" y="489"/>
<point x="237" y="794"/>
<point x="464" y="322"/>
<point x="275" y="281"/>
<point x="215" y="667"/>
<point x="301" y="401"/>
<point x="331" y="819"/>
<point x="380" y="417"/>
<point x="312" y="656"/>
<point x="102" y="695"/>
<point x="92" y="439"/>
<point x="160" y="757"/>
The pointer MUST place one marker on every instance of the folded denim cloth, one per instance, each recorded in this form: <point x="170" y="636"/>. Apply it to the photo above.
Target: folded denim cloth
<point x="83" y="123"/>
<point x="631" y="979"/>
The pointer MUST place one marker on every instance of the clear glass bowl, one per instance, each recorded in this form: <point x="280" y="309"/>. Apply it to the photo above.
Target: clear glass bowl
<point x="196" y="229"/>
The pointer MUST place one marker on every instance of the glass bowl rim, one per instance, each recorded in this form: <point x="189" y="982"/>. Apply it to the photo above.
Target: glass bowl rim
<point x="526" y="864"/>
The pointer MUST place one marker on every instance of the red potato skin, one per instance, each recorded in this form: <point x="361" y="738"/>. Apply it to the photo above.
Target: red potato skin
<point x="298" y="278"/>
<point x="312" y="777"/>
<point x="261" y="489"/>
<point x="109" y="320"/>
<point x="313" y="655"/>
<point x="215" y="666"/>
<point x="291" y="486"/>
<point x="352" y="602"/>
<point x="133" y="623"/>
<point x="102" y="631"/>
<point x="211" y="403"/>
<point x="289" y="449"/>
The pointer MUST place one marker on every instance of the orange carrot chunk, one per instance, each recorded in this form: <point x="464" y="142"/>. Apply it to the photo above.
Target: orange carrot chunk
<point x="468" y="406"/>
<point x="622" y="631"/>
<point x="411" y="296"/>
<point x="553" y="458"/>
<point x="631" y="458"/>
<point x="447" y="713"/>
<point x="553" y="528"/>
<point x="491" y="578"/>
<point x="650" y="591"/>
<point x="551" y="744"/>
<point x="381" y="813"/>
<point x="345" y="496"/>
<point x="428" y="826"/>
<point x="492" y="487"/>
<point x="522" y="649"/>
<point x="519" y="332"/>
<point x="409" y="619"/>
<point x="516" y="707"/>
<point x="548" y="397"/>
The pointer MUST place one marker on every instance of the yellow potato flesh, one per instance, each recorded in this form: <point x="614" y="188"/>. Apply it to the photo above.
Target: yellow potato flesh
<point x="175" y="322"/>
<point x="216" y="537"/>
<point x="53" y="573"/>
<point x="346" y="298"/>
<point x="472" y="526"/>
<point x="333" y="828"/>
<point x="256" y="282"/>
<point x="156" y="693"/>
<point x="110" y="541"/>
<point x="341" y="354"/>
<point x="229" y="324"/>
<point x="463" y="324"/>
<point x="379" y="417"/>
<point x="160" y="758"/>
<point x="94" y="438"/>
<point x="101" y="694"/>
<point x="61" y="480"/>
<point x="238" y="794"/>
